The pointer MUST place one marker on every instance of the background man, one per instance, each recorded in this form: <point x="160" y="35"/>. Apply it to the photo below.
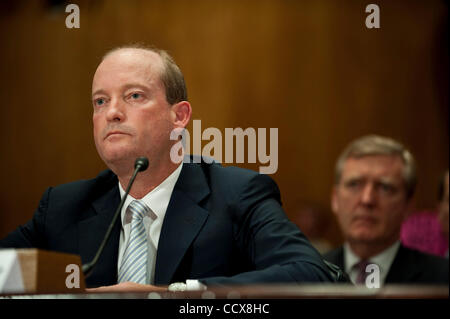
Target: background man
<point x="182" y="220"/>
<point x="375" y="181"/>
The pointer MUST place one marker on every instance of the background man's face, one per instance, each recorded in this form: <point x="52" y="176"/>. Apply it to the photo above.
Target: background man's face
<point x="131" y="116"/>
<point x="370" y="199"/>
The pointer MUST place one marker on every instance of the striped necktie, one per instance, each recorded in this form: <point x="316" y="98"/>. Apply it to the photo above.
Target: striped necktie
<point x="134" y="264"/>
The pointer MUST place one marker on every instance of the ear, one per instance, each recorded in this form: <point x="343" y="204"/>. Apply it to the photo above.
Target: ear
<point x="182" y="114"/>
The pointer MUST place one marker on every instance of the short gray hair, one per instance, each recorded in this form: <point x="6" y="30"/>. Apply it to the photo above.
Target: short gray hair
<point x="380" y="145"/>
<point x="171" y="77"/>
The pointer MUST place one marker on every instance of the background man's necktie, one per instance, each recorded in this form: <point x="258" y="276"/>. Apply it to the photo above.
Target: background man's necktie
<point x="362" y="274"/>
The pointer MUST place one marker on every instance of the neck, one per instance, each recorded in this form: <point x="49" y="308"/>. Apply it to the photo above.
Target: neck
<point x="366" y="250"/>
<point x="148" y="180"/>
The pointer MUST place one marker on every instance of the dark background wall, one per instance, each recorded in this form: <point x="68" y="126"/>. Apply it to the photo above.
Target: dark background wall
<point x="309" y="68"/>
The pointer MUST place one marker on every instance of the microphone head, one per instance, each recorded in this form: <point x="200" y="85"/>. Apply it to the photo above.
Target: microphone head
<point x="141" y="163"/>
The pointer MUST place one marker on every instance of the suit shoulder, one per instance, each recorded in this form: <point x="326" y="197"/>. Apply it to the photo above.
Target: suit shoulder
<point x="212" y="167"/>
<point x="238" y="179"/>
<point x="426" y="259"/>
<point x="103" y="180"/>
<point x="232" y="173"/>
<point x="415" y="266"/>
<point x="334" y="255"/>
<point x="230" y="183"/>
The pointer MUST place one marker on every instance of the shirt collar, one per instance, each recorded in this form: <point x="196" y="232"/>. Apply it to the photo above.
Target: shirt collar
<point x="158" y="198"/>
<point x="384" y="259"/>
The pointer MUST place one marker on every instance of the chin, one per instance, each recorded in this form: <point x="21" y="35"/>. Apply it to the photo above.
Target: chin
<point x="363" y="235"/>
<point x="116" y="156"/>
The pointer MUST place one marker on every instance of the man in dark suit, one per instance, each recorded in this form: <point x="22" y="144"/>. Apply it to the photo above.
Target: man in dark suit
<point x="375" y="179"/>
<point x="199" y="222"/>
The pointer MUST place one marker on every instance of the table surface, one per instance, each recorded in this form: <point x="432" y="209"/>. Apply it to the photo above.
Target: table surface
<point x="317" y="291"/>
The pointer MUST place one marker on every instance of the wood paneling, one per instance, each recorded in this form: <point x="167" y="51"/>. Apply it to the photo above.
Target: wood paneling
<point x="309" y="68"/>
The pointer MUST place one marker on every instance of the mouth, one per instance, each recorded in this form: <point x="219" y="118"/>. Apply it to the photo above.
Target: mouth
<point x="364" y="220"/>
<point x="114" y="133"/>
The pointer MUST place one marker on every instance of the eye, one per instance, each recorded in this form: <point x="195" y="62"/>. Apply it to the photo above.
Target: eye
<point x="135" y="97"/>
<point x="353" y="183"/>
<point x="99" y="101"/>
<point x="387" y="188"/>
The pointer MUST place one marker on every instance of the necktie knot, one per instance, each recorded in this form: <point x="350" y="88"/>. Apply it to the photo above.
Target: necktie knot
<point x="361" y="268"/>
<point x="138" y="210"/>
<point x="361" y="265"/>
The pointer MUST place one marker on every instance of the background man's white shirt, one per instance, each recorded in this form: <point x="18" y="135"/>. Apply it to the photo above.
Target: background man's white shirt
<point x="384" y="261"/>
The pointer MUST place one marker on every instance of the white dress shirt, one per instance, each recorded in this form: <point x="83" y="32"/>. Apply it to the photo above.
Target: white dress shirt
<point x="157" y="200"/>
<point x="384" y="261"/>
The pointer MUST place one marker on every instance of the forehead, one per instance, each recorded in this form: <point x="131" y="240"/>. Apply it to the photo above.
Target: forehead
<point x="374" y="166"/>
<point x="127" y="65"/>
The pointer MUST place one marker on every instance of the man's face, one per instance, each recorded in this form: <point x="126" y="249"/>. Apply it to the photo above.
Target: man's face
<point x="370" y="199"/>
<point x="131" y="116"/>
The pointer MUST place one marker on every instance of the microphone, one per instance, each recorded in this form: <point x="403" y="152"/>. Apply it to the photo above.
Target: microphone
<point x="140" y="165"/>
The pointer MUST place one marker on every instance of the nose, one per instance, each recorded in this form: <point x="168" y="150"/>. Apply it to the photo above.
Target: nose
<point x="116" y="111"/>
<point x="368" y="195"/>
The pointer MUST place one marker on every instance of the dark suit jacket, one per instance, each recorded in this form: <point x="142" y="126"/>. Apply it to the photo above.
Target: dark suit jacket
<point x="223" y="225"/>
<point x="409" y="266"/>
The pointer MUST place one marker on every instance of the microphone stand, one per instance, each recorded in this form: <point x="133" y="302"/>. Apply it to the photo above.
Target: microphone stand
<point x="140" y="165"/>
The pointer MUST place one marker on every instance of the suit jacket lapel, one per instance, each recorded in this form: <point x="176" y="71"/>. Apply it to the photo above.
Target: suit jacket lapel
<point x="91" y="232"/>
<point x="183" y="220"/>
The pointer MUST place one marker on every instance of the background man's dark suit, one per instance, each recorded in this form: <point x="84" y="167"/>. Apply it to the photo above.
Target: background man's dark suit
<point x="223" y="225"/>
<point x="409" y="266"/>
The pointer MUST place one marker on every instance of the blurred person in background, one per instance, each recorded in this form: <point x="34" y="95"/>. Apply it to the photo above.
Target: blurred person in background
<point x="314" y="224"/>
<point x="427" y="231"/>
<point x="375" y="179"/>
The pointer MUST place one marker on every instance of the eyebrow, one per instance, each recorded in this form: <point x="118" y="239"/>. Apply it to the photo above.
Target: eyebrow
<point x="124" y="87"/>
<point x="100" y="91"/>
<point x="353" y="176"/>
<point x="387" y="180"/>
